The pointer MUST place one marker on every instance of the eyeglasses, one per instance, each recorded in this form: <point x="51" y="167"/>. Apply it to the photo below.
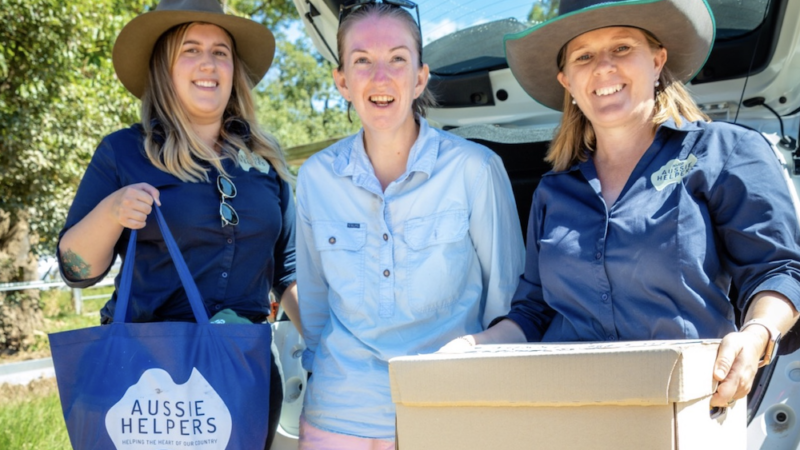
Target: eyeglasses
<point x="226" y="190"/>
<point x="354" y="5"/>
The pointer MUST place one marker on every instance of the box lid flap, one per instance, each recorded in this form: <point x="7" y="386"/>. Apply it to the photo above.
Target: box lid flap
<point x="639" y="372"/>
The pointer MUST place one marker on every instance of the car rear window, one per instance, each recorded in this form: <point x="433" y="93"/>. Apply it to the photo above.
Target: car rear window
<point x="463" y="36"/>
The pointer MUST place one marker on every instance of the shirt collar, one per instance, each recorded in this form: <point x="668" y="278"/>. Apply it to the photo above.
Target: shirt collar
<point x="669" y="124"/>
<point x="352" y="160"/>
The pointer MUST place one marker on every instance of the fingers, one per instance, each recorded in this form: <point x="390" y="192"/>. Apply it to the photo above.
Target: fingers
<point x="735" y="368"/>
<point x="150" y="190"/>
<point x="458" y="345"/>
<point x="132" y="204"/>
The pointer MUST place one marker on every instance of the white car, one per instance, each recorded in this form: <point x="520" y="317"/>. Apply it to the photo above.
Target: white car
<point x="752" y="77"/>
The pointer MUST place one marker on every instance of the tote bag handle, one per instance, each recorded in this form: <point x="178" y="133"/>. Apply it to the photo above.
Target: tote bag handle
<point x="124" y="293"/>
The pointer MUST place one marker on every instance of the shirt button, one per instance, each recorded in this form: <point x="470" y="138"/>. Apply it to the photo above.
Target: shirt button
<point x="332" y="240"/>
<point x="230" y="241"/>
<point x="605" y="296"/>
<point x="217" y="307"/>
<point x="224" y="274"/>
<point x="386" y="273"/>
<point x="598" y="255"/>
<point x="385" y="237"/>
<point x="611" y="338"/>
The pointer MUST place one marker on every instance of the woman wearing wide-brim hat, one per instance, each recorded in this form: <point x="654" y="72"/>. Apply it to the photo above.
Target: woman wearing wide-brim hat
<point x="651" y="212"/>
<point x="221" y="181"/>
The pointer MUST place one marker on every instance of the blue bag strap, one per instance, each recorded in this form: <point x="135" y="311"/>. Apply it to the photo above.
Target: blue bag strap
<point x="124" y="292"/>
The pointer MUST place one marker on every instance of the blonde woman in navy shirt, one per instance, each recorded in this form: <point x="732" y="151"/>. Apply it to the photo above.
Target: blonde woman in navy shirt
<point x="222" y="183"/>
<point x="652" y="212"/>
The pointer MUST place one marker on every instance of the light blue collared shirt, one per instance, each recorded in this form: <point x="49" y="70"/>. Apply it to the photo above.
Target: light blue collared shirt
<point x="401" y="272"/>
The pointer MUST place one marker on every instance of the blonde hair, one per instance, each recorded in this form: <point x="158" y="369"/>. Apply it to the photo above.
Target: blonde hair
<point x="172" y="145"/>
<point x="376" y="11"/>
<point x="575" y="134"/>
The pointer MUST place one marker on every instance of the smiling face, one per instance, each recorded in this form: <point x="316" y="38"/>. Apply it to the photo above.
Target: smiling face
<point x="381" y="74"/>
<point x="202" y="73"/>
<point x="611" y="74"/>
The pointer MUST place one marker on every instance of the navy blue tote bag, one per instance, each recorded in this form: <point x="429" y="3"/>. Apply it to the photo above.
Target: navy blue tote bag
<point x="165" y="385"/>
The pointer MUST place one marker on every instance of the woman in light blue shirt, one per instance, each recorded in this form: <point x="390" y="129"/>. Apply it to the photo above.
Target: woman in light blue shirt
<point x="408" y="236"/>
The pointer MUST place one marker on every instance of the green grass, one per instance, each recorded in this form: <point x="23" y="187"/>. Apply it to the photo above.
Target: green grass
<point x="30" y="416"/>
<point x="59" y="315"/>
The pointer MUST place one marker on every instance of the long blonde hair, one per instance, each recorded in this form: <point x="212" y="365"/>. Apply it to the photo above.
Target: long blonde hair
<point x="575" y="134"/>
<point x="172" y="145"/>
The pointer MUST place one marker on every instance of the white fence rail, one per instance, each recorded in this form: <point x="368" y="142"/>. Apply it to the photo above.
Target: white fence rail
<point x="77" y="294"/>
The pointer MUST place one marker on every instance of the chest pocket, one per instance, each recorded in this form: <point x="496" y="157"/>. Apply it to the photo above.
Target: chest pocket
<point x="341" y="250"/>
<point x="441" y="228"/>
<point x="440" y="260"/>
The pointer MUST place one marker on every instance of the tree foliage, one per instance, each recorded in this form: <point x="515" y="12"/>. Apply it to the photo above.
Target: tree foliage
<point x="543" y="10"/>
<point x="297" y="100"/>
<point x="58" y="97"/>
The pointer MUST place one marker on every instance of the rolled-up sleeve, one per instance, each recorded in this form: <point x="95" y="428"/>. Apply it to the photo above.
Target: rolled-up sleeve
<point x="99" y="181"/>
<point x="528" y="307"/>
<point x="312" y="287"/>
<point x="285" y="254"/>
<point x="756" y="219"/>
<point x="495" y="232"/>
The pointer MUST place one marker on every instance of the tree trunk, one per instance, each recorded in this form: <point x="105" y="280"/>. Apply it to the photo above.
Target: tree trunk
<point x="20" y="314"/>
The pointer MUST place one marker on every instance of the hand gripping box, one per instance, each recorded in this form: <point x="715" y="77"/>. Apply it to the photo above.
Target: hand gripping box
<point x="635" y="395"/>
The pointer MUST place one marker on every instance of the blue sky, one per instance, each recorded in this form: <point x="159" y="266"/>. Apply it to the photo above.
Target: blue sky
<point x="441" y="17"/>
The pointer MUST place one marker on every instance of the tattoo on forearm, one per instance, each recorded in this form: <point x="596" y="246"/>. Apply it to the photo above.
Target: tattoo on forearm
<point x="74" y="266"/>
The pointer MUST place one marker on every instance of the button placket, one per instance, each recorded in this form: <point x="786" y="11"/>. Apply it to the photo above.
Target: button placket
<point x="386" y="302"/>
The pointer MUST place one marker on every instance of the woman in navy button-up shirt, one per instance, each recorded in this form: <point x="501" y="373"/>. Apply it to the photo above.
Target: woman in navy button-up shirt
<point x="651" y="213"/>
<point x="198" y="153"/>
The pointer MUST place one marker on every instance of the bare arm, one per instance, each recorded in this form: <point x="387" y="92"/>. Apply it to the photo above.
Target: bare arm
<point x="740" y="352"/>
<point x="291" y="307"/>
<point x="87" y="248"/>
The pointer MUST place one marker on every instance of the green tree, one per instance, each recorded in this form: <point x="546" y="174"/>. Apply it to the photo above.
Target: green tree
<point x="297" y="100"/>
<point x="543" y="10"/>
<point x="58" y="97"/>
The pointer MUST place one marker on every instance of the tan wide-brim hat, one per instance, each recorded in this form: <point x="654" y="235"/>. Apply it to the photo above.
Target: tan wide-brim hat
<point x="684" y="27"/>
<point x="254" y="43"/>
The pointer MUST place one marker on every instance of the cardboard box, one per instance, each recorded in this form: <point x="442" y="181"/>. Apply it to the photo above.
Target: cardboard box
<point x="636" y="395"/>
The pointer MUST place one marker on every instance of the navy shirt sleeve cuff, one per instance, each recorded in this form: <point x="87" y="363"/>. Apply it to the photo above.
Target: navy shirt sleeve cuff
<point x="80" y="284"/>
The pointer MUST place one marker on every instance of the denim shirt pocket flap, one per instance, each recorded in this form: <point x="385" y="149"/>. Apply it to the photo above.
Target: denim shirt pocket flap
<point x="442" y="228"/>
<point x="339" y="235"/>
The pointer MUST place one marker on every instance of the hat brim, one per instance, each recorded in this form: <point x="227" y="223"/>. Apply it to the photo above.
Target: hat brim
<point x="254" y="43"/>
<point x="684" y="27"/>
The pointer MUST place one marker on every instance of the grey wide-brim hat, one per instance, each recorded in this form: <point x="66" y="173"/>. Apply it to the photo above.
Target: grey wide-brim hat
<point x="254" y="43"/>
<point x="684" y="27"/>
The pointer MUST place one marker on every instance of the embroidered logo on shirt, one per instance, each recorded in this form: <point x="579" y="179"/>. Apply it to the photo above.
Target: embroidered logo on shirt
<point x="672" y="172"/>
<point x="353" y="225"/>
<point x="252" y="161"/>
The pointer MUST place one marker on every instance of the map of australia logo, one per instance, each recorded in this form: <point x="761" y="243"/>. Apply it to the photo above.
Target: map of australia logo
<point x="156" y="413"/>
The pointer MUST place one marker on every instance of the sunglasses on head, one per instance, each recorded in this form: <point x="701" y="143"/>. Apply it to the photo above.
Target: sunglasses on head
<point x="226" y="190"/>
<point x="354" y="5"/>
